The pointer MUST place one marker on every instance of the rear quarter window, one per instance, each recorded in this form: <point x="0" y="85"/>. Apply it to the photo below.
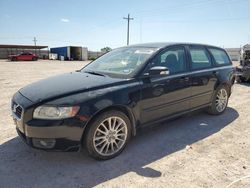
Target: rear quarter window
<point x="220" y="56"/>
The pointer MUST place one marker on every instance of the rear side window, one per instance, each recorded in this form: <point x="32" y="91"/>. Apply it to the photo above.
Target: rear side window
<point x="200" y="58"/>
<point x="220" y="56"/>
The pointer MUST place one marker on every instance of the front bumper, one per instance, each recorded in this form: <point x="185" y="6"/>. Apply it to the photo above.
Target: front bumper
<point x="59" y="144"/>
<point x="58" y="135"/>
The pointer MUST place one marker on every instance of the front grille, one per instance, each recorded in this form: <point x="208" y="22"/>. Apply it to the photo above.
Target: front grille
<point x="17" y="110"/>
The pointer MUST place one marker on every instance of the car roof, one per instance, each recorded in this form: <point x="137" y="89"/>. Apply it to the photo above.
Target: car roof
<point x="166" y="44"/>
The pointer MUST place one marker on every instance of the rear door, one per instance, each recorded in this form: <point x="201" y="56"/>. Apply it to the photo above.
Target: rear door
<point x="203" y="76"/>
<point x="166" y="95"/>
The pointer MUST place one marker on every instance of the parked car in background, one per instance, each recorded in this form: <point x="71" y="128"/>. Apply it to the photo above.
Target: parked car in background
<point x="26" y="56"/>
<point x="102" y="105"/>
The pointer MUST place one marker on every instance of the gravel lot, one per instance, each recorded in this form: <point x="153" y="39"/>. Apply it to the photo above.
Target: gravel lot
<point x="197" y="150"/>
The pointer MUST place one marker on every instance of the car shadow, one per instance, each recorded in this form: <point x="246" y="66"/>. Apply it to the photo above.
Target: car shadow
<point x="21" y="165"/>
<point x="244" y="83"/>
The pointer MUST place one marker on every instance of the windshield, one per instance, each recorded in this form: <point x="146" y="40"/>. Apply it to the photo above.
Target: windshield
<point x="121" y="62"/>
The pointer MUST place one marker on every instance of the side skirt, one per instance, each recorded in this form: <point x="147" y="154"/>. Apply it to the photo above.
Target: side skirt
<point x="174" y="115"/>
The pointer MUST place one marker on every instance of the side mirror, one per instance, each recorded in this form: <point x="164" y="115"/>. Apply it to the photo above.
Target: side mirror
<point x="159" y="70"/>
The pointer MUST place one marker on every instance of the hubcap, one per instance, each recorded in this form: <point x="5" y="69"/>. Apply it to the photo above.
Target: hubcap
<point x="221" y="100"/>
<point x="110" y="136"/>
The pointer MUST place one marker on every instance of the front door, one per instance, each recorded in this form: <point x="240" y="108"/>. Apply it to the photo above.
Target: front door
<point x="23" y="56"/>
<point x="165" y="95"/>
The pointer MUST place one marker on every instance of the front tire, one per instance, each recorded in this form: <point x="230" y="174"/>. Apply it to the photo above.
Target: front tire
<point x="108" y="135"/>
<point x="220" y="101"/>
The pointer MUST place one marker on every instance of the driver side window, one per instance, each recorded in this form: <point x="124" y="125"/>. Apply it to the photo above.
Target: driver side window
<point x="174" y="59"/>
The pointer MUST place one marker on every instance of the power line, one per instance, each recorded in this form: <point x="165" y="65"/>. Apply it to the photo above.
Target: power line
<point x="177" y="7"/>
<point x="128" y="19"/>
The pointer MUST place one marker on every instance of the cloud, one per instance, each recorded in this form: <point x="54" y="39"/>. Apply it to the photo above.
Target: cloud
<point x="64" y="20"/>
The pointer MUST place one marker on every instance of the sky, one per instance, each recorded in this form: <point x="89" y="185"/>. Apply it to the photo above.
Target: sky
<point x="96" y="23"/>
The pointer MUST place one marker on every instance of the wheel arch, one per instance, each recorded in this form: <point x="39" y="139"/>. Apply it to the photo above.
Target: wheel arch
<point x="128" y="112"/>
<point x="227" y="84"/>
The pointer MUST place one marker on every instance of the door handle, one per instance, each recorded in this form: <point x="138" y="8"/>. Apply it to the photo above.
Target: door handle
<point x="185" y="78"/>
<point x="215" y="72"/>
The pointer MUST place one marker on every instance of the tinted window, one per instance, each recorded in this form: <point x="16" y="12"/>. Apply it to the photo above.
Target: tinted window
<point x="25" y="53"/>
<point x="200" y="58"/>
<point x="220" y="56"/>
<point x="174" y="59"/>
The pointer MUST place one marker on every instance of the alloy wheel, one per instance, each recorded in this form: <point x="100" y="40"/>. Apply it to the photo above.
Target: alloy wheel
<point x="110" y="136"/>
<point x="221" y="100"/>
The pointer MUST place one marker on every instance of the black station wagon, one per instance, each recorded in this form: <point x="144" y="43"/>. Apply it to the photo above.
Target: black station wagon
<point x="101" y="106"/>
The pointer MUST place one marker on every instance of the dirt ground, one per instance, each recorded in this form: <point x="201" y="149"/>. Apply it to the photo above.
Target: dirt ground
<point x="197" y="150"/>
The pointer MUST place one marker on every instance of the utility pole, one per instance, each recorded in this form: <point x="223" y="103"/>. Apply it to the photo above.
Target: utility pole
<point x="128" y="19"/>
<point x="34" y="40"/>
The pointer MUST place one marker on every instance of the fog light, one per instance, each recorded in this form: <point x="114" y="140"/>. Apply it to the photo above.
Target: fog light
<point x="45" y="143"/>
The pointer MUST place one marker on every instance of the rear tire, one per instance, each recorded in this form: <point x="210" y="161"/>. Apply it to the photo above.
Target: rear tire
<point x="219" y="101"/>
<point x="108" y="135"/>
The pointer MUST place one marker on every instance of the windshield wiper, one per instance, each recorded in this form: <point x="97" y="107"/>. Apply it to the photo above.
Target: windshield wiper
<point x="95" y="73"/>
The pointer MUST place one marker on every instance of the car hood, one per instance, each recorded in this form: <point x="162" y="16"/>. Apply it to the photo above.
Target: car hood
<point x="66" y="84"/>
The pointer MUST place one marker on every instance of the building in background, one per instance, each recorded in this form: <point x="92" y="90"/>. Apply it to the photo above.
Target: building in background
<point x="95" y="54"/>
<point x="7" y="49"/>
<point x="71" y="53"/>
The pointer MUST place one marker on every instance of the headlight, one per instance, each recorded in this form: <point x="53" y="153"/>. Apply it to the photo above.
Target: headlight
<point x="50" y="112"/>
